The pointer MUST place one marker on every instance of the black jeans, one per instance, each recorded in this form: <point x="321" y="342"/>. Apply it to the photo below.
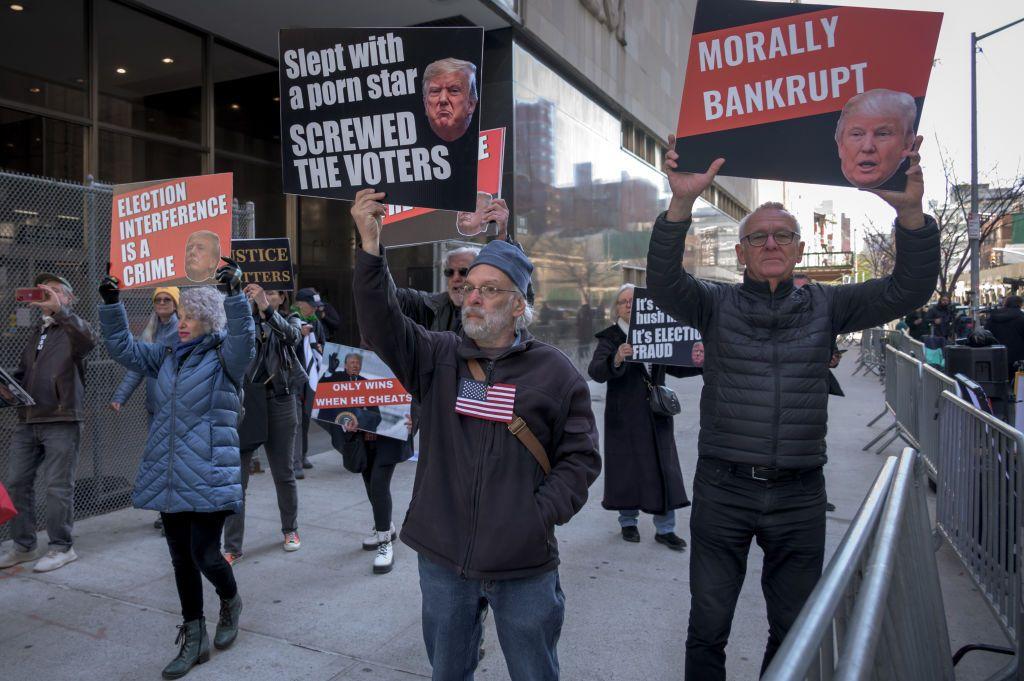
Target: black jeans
<point x="377" y="479"/>
<point x="788" y="521"/>
<point x="281" y="419"/>
<point x="194" y="541"/>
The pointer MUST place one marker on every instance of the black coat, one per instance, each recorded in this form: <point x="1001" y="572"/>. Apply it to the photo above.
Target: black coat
<point x="765" y="396"/>
<point x="1007" y="325"/>
<point x="641" y="465"/>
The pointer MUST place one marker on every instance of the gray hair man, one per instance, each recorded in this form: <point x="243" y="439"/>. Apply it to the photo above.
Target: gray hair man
<point x="450" y="97"/>
<point x="48" y="433"/>
<point x="874" y="133"/>
<point x="764" y="407"/>
<point x="508" y="450"/>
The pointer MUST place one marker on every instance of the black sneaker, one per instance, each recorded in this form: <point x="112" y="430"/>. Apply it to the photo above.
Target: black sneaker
<point x="671" y="540"/>
<point x="631" y="534"/>
<point x="300" y="474"/>
<point x="829" y="506"/>
<point x="307" y="464"/>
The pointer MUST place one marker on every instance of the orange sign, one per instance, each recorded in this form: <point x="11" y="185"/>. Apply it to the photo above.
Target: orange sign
<point x="172" y="232"/>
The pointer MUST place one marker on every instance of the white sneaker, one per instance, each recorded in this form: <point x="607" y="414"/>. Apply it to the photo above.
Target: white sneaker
<point x="15" y="556"/>
<point x="55" y="558"/>
<point x="385" y="559"/>
<point x="370" y="543"/>
<point x="291" y="541"/>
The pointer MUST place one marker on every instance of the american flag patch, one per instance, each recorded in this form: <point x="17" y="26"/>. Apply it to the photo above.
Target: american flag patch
<point x="494" y="403"/>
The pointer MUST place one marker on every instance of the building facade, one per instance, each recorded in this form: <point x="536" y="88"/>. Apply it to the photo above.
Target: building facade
<point x="125" y="91"/>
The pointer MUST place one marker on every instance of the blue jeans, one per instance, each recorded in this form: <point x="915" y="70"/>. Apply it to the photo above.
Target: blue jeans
<point x="663" y="524"/>
<point x="528" y="616"/>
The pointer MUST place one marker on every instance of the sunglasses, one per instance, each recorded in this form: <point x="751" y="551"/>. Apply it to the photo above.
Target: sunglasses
<point x="448" y="272"/>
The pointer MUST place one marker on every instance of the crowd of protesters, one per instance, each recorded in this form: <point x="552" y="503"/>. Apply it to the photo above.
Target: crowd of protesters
<point x="229" y="371"/>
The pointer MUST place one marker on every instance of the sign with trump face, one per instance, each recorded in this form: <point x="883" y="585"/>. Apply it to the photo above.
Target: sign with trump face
<point x="394" y="109"/>
<point x="805" y="93"/>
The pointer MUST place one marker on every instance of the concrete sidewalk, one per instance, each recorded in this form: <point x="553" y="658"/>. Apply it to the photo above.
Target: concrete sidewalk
<point x="320" y="613"/>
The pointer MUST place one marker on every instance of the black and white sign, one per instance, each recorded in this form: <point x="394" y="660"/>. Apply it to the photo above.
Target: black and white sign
<point x="396" y="109"/>
<point x="267" y="262"/>
<point x="657" y="338"/>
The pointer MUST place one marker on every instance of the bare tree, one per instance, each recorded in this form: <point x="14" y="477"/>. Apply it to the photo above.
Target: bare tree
<point x="879" y="254"/>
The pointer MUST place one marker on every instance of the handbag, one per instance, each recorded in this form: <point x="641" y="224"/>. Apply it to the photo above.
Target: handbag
<point x="351" y="447"/>
<point x="7" y="510"/>
<point x="663" y="400"/>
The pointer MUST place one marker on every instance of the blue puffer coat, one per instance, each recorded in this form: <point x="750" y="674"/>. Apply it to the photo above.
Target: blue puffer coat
<point x="166" y="334"/>
<point x="191" y="462"/>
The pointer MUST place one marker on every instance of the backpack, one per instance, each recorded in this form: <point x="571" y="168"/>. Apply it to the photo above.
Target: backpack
<point x="239" y="388"/>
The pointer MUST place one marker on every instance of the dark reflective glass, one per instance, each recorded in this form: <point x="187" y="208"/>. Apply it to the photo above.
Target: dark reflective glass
<point x="129" y="159"/>
<point x="150" y="73"/>
<point x="43" y="55"/>
<point x="246" y="115"/>
<point x="261" y="184"/>
<point x="41" y="146"/>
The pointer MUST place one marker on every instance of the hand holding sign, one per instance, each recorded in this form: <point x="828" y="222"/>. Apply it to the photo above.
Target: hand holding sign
<point x="686" y="187"/>
<point x="368" y="213"/>
<point x="908" y="203"/>
<point x="256" y="294"/>
<point x="625" y="350"/>
<point x="229" y="277"/>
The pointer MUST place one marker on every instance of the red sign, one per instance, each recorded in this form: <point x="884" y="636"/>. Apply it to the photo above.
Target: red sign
<point x="377" y="392"/>
<point x="172" y="232"/>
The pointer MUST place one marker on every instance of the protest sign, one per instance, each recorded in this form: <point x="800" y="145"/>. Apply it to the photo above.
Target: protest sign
<point x="396" y="109"/>
<point x="171" y="232"/>
<point x="11" y="392"/>
<point x="267" y="262"/>
<point x="357" y="391"/>
<point x="406" y="225"/>
<point x="767" y="82"/>
<point x="658" y="338"/>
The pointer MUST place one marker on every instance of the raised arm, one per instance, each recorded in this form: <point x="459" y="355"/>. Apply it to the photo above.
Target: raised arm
<point x="405" y="346"/>
<point x="134" y="355"/>
<point x="912" y="282"/>
<point x="675" y="291"/>
<point x="575" y="462"/>
<point x="239" y="345"/>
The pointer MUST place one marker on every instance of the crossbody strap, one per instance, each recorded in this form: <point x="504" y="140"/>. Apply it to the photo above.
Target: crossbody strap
<point x="518" y="426"/>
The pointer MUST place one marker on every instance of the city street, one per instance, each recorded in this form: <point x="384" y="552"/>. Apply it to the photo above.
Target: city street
<point x="321" y="614"/>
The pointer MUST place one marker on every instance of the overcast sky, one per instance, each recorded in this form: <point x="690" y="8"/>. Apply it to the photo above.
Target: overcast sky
<point x="946" y="119"/>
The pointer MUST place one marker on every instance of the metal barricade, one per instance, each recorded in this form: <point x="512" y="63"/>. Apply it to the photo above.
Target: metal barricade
<point x="978" y="509"/>
<point x="929" y="400"/>
<point x="49" y="225"/>
<point x="877" y="610"/>
<point x="902" y="393"/>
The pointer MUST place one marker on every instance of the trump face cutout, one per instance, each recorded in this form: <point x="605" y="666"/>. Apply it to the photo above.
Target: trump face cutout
<point x="874" y="130"/>
<point x="450" y="97"/>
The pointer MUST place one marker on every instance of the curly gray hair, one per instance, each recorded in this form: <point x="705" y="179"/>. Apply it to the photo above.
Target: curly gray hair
<point x="205" y="304"/>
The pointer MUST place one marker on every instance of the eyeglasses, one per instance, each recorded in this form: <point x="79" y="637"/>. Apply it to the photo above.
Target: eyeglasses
<point x="448" y="272"/>
<point x="623" y="302"/>
<point x="163" y="300"/>
<point x="486" y="290"/>
<point x="782" y="237"/>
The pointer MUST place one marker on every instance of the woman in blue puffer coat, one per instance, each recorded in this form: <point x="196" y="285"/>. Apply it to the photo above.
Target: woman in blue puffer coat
<point x="190" y="469"/>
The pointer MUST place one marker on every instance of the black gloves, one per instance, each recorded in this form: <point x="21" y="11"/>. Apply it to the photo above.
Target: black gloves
<point x="229" y="277"/>
<point x="109" y="291"/>
<point x="333" y="362"/>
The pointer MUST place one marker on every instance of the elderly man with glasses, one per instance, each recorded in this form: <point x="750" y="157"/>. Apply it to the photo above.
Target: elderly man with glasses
<point x="764" y="405"/>
<point x="508" y="450"/>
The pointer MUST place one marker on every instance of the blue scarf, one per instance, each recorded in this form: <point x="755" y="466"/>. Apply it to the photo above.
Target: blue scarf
<point x="183" y="349"/>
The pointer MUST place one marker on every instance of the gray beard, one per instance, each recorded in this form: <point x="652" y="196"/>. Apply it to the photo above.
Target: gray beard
<point x="491" y="327"/>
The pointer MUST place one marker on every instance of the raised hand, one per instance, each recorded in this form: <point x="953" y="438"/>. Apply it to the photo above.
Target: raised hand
<point x="497" y="212"/>
<point x="909" y="203"/>
<point x="229" y="277"/>
<point x="686" y="187"/>
<point x="368" y="213"/>
<point x="625" y="350"/>
<point x="256" y="294"/>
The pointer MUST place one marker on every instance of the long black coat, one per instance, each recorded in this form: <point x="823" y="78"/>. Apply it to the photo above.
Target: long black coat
<point x="641" y="465"/>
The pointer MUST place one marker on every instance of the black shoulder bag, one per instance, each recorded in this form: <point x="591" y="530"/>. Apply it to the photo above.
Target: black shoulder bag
<point x="662" y="399"/>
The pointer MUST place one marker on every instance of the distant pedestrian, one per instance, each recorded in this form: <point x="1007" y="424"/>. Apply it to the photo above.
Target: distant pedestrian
<point x="641" y="465"/>
<point x="190" y="469"/>
<point x="47" y="435"/>
<point x="315" y="332"/>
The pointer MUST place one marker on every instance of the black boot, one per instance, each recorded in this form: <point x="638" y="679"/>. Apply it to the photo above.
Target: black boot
<point x="227" y="626"/>
<point x="195" y="648"/>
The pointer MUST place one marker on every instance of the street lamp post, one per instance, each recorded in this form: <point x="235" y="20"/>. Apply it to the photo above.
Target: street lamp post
<point x="974" y="220"/>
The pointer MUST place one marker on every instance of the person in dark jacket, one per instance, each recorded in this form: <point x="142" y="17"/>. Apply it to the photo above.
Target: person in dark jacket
<point x="917" y="324"/>
<point x="190" y="469"/>
<point x="641" y="465"/>
<point x="941" y="317"/>
<point x="764" y="405"/>
<point x="486" y="499"/>
<point x="311" y="310"/>
<point x="1007" y="325"/>
<point x="270" y="420"/>
<point x="47" y="434"/>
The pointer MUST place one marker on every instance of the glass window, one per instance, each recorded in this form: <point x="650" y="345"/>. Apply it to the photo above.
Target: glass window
<point x="326" y="257"/>
<point x="246" y="114"/>
<point x="43" y="55"/>
<point x="585" y="207"/>
<point x="124" y="158"/>
<point x="150" y="73"/>
<point x="260" y="184"/>
<point x="41" y="146"/>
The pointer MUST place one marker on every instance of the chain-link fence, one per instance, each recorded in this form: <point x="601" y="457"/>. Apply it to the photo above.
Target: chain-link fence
<point x="63" y="227"/>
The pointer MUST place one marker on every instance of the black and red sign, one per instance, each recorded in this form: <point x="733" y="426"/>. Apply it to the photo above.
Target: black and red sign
<point x="805" y="93"/>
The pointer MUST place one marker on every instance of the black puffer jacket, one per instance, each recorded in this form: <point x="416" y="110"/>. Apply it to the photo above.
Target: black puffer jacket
<point x="765" y="397"/>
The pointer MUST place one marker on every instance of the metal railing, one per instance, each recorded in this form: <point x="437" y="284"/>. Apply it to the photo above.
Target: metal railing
<point x="978" y="510"/>
<point x="877" y="611"/>
<point x="929" y="401"/>
<point x="64" y="227"/>
<point x="902" y="391"/>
